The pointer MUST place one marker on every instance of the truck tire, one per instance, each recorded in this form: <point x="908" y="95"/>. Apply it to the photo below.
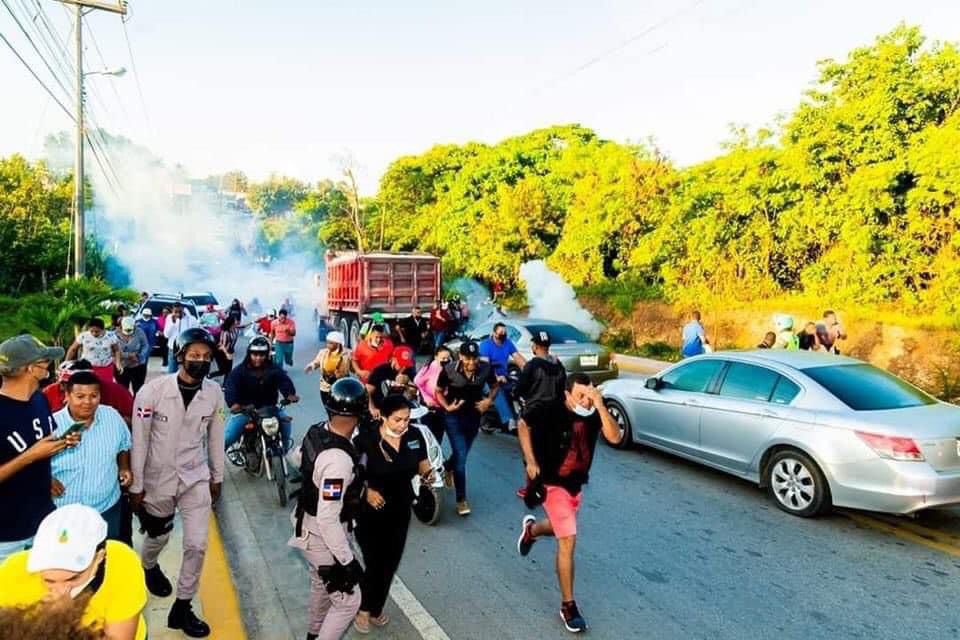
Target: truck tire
<point x="343" y="326"/>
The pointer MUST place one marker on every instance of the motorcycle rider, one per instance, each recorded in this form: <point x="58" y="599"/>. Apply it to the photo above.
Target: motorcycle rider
<point x="256" y="382"/>
<point x="177" y="465"/>
<point x="500" y="352"/>
<point x="328" y="502"/>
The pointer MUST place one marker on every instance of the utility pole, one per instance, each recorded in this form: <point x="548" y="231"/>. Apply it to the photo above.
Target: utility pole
<point x="79" y="237"/>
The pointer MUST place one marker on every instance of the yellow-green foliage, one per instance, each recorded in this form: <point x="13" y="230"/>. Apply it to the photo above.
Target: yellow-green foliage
<point x="852" y="199"/>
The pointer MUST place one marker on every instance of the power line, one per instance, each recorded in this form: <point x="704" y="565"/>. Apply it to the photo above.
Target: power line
<point x="33" y="44"/>
<point x="623" y="45"/>
<point x="37" y="78"/>
<point x="136" y="75"/>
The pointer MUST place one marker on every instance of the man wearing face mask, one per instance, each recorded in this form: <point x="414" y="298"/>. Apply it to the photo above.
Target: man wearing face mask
<point x="177" y="465"/>
<point x="500" y="352"/>
<point x="71" y="557"/>
<point x="26" y="441"/>
<point x="176" y="323"/>
<point x="559" y="448"/>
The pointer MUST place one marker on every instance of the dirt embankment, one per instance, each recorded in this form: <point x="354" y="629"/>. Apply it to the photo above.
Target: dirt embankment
<point x="930" y="358"/>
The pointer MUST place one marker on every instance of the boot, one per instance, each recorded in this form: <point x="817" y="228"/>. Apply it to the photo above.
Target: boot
<point x="182" y="617"/>
<point x="157" y="583"/>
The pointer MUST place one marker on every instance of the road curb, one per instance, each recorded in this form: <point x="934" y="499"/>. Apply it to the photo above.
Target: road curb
<point x="636" y="364"/>
<point x="218" y="594"/>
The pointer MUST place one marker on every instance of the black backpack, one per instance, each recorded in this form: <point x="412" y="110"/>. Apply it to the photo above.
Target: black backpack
<point x="318" y="440"/>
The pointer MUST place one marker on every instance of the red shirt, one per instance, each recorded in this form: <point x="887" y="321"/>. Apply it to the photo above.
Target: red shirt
<point x="368" y="358"/>
<point x="283" y="330"/>
<point x="264" y="325"/>
<point x="439" y="319"/>
<point x="111" y="394"/>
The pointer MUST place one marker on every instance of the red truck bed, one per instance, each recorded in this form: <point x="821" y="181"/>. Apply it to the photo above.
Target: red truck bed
<point x="392" y="283"/>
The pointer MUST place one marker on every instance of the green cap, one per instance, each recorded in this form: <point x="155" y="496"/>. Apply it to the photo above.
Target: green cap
<point x="23" y="350"/>
<point x="377" y="317"/>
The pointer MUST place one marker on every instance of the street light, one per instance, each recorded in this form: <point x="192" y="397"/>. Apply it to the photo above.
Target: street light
<point x="117" y="72"/>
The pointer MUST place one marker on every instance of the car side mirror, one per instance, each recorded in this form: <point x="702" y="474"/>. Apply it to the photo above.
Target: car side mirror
<point x="653" y="384"/>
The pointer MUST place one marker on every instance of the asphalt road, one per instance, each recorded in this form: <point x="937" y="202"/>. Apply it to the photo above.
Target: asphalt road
<point x="666" y="549"/>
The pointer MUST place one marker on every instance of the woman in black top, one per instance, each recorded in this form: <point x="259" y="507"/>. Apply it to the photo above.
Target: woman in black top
<point x="392" y="455"/>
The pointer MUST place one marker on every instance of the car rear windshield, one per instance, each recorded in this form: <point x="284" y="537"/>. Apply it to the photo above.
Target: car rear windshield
<point x="863" y="387"/>
<point x="559" y="333"/>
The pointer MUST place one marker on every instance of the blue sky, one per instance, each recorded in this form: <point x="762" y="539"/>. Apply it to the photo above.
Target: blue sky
<point x="286" y="86"/>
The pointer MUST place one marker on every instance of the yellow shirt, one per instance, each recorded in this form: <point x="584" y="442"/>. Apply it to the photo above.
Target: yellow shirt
<point x="122" y="595"/>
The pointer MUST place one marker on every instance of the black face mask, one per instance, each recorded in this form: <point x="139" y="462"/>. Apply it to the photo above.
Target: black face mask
<point x="197" y="369"/>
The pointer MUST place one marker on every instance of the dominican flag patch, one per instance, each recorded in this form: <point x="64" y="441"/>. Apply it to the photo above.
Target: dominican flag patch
<point x="332" y="488"/>
<point x="144" y="413"/>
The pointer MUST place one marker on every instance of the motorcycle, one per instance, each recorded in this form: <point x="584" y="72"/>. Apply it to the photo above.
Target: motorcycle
<point x="490" y="421"/>
<point x="429" y="497"/>
<point x="260" y="449"/>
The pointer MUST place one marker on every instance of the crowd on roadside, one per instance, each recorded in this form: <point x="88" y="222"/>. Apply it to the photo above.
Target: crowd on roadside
<point x="823" y="336"/>
<point x="84" y="454"/>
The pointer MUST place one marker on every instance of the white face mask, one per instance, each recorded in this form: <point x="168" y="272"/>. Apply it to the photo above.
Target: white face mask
<point x="583" y="411"/>
<point x="392" y="433"/>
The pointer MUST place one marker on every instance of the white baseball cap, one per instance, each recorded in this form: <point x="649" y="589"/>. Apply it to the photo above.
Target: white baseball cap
<point x="335" y="337"/>
<point x="147" y="313"/>
<point x="67" y="539"/>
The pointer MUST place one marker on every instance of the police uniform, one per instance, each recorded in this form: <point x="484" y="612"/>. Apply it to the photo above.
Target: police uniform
<point x="176" y="453"/>
<point x="323" y="541"/>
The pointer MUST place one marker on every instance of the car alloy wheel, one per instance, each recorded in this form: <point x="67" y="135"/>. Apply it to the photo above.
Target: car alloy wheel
<point x="619" y="414"/>
<point x="793" y="484"/>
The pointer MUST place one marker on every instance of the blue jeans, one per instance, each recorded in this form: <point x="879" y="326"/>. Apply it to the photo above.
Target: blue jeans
<point x="233" y="429"/>
<point x="10" y="548"/>
<point x="283" y="352"/>
<point x="172" y="364"/>
<point x="503" y="405"/>
<point x="439" y="337"/>
<point x="112" y="516"/>
<point x="462" y="428"/>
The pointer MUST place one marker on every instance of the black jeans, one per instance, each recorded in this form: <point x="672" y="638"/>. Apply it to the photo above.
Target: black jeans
<point x="132" y="377"/>
<point x="382" y="536"/>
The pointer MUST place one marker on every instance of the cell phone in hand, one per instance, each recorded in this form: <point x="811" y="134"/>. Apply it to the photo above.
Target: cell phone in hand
<point x="76" y="427"/>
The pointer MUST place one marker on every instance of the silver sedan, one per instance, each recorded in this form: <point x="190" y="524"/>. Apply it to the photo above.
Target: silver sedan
<point x="814" y="429"/>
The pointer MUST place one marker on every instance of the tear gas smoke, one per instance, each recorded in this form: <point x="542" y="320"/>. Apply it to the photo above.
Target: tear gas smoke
<point x="478" y="300"/>
<point x="549" y="296"/>
<point x="173" y="234"/>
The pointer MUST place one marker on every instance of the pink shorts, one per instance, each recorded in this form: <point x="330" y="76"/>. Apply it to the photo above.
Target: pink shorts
<point x="561" y="508"/>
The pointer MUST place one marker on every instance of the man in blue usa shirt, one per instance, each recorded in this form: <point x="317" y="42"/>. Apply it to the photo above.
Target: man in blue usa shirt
<point x="26" y="441"/>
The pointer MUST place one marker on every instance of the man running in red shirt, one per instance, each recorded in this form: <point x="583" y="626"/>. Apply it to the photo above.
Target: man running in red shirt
<point x="375" y="350"/>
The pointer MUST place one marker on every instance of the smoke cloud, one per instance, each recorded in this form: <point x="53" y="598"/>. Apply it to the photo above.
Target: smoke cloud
<point x="174" y="234"/>
<point x="549" y="296"/>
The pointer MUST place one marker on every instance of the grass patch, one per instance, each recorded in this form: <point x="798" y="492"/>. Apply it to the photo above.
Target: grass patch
<point x="622" y="295"/>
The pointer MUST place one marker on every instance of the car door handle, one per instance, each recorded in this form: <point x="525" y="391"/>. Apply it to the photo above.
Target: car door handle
<point x="692" y="402"/>
<point x="770" y="414"/>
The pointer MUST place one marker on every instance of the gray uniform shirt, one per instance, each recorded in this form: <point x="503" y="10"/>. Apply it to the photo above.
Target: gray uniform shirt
<point x="173" y="444"/>
<point x="332" y="474"/>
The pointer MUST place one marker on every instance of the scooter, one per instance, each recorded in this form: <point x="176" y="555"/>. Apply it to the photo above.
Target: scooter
<point x="429" y="497"/>
<point x="260" y="449"/>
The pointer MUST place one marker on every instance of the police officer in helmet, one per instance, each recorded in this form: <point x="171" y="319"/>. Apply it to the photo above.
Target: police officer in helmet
<point x="329" y="498"/>
<point x="177" y="462"/>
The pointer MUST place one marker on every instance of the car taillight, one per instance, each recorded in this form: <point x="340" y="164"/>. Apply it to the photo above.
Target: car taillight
<point x="892" y="447"/>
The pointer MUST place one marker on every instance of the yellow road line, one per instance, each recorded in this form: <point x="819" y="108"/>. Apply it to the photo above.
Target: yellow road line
<point x="217" y="593"/>
<point x="911" y="533"/>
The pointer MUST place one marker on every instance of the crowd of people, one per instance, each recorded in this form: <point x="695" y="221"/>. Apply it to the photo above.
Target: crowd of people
<point x="85" y="454"/>
<point x="824" y="336"/>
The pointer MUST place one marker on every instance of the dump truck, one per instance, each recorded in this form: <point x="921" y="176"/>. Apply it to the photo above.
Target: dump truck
<point x="391" y="283"/>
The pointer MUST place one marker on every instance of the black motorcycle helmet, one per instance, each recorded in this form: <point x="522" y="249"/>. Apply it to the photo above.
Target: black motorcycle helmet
<point x="348" y="397"/>
<point x="258" y="345"/>
<point x="194" y="336"/>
